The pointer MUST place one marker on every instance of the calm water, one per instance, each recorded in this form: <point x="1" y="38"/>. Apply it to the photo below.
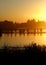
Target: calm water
<point x="21" y="40"/>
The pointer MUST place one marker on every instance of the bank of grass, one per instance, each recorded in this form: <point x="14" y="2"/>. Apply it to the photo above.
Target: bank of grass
<point x="29" y="49"/>
<point x="24" y="55"/>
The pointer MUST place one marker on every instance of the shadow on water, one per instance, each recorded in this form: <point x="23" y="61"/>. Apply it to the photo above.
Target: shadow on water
<point x="22" y="34"/>
<point x="0" y="33"/>
<point x="19" y="34"/>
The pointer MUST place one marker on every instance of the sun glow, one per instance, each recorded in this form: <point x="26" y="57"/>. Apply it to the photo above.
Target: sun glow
<point x="44" y="17"/>
<point x="43" y="12"/>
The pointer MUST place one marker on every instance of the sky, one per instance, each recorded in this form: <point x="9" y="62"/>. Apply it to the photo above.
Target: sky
<point x="22" y="10"/>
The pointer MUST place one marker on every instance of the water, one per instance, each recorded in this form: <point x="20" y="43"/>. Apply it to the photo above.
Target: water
<point x="22" y="40"/>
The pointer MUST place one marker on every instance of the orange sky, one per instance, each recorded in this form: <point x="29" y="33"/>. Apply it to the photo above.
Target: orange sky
<point x="21" y="10"/>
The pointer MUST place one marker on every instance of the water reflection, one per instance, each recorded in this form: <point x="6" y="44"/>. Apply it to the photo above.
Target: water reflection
<point x="20" y="34"/>
<point x="27" y="34"/>
<point x="16" y="39"/>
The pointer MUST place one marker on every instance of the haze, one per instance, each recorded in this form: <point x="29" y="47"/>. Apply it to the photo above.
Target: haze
<point x="21" y="10"/>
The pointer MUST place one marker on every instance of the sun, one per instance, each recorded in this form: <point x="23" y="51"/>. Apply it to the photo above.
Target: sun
<point x="44" y="17"/>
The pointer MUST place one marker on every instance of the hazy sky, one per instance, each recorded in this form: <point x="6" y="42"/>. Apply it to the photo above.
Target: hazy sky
<point x="21" y="10"/>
